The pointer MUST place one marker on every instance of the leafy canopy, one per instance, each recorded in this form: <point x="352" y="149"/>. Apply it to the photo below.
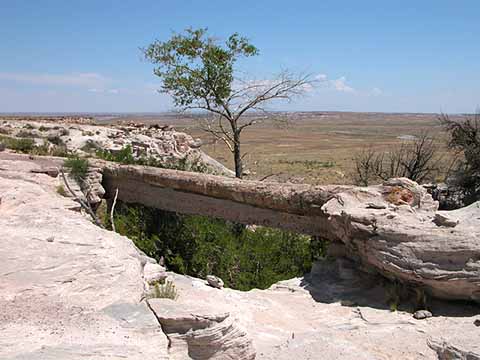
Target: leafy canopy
<point x="196" y="67"/>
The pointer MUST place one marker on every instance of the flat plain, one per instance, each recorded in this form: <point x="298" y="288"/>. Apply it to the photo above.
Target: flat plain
<point x="312" y="147"/>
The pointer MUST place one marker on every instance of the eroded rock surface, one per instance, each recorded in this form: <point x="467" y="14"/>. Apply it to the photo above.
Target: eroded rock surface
<point x="68" y="289"/>
<point x="333" y="314"/>
<point x="162" y="144"/>
<point x="201" y="332"/>
<point x="392" y="228"/>
<point x="401" y="238"/>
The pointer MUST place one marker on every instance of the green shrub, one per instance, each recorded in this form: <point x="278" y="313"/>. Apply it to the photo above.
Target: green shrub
<point x="18" y="144"/>
<point x="77" y="167"/>
<point x="61" y="190"/>
<point x="124" y="156"/>
<point x="26" y="134"/>
<point x="199" y="246"/>
<point x="56" y="140"/>
<point x="164" y="291"/>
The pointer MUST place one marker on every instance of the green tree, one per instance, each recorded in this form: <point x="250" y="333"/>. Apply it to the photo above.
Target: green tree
<point x="199" y="73"/>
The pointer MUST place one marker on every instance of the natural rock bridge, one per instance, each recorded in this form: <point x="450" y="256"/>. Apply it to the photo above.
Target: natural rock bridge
<point x="394" y="228"/>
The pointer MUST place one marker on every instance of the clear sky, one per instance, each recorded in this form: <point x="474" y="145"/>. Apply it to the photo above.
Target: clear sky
<point x="389" y="55"/>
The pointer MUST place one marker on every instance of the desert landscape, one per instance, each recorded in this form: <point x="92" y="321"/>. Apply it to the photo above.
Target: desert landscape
<point x="308" y="147"/>
<point x="239" y="180"/>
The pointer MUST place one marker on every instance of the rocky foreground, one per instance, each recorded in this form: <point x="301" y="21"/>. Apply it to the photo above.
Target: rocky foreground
<point x="71" y="290"/>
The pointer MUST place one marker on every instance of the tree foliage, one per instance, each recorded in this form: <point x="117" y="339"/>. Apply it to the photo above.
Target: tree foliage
<point x="199" y="73"/>
<point x="464" y="140"/>
<point x="200" y="246"/>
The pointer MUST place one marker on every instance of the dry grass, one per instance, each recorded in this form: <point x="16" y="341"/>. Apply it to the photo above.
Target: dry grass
<point x="315" y="148"/>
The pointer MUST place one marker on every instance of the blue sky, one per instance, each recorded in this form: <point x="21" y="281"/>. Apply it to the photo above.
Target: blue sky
<point x="392" y="56"/>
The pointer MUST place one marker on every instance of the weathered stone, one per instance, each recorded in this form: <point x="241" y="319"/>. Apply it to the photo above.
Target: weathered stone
<point x="50" y="171"/>
<point x="154" y="273"/>
<point x="409" y="247"/>
<point x="80" y="297"/>
<point x="422" y="314"/>
<point x="396" y="237"/>
<point x="200" y="333"/>
<point x="215" y="281"/>
<point x="162" y="144"/>
<point x="69" y="290"/>
<point x="442" y="219"/>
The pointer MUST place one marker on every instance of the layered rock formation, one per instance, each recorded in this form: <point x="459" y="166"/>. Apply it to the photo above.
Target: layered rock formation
<point x="394" y="228"/>
<point x="162" y="144"/>
<point x="71" y="290"/>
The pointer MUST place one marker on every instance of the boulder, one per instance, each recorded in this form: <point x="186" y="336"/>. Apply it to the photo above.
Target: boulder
<point x="404" y="237"/>
<point x="201" y="333"/>
<point x="215" y="281"/>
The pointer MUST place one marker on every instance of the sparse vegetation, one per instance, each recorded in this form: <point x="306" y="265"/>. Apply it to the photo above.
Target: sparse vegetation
<point x="61" y="190"/>
<point x="125" y="156"/>
<point x="55" y="139"/>
<point x="464" y="140"/>
<point x="309" y="164"/>
<point x="416" y="160"/>
<point x="167" y="290"/>
<point x="77" y="168"/>
<point x="398" y="294"/>
<point x="26" y="134"/>
<point x="18" y="144"/>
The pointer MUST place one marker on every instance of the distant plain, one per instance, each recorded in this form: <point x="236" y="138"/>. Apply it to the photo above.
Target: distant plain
<point x="313" y="147"/>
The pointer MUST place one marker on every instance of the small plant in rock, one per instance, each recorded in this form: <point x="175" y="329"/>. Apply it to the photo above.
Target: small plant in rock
<point x="43" y="128"/>
<point x="166" y="290"/>
<point x="395" y="294"/>
<point x="77" y="167"/>
<point x="61" y="190"/>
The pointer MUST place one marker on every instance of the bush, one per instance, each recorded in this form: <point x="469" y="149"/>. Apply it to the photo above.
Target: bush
<point x="18" y="144"/>
<point x="464" y="140"/>
<point x="416" y="160"/>
<point x="77" y="167"/>
<point x="200" y="246"/>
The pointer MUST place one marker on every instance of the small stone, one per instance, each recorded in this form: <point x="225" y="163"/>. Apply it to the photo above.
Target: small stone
<point x="377" y="206"/>
<point x="444" y="220"/>
<point x="153" y="273"/>
<point x="476" y="322"/>
<point x="50" y="171"/>
<point x="50" y="239"/>
<point x="422" y="314"/>
<point x="215" y="281"/>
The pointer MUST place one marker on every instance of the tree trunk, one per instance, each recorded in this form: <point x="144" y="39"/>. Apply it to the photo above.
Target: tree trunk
<point x="237" y="156"/>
